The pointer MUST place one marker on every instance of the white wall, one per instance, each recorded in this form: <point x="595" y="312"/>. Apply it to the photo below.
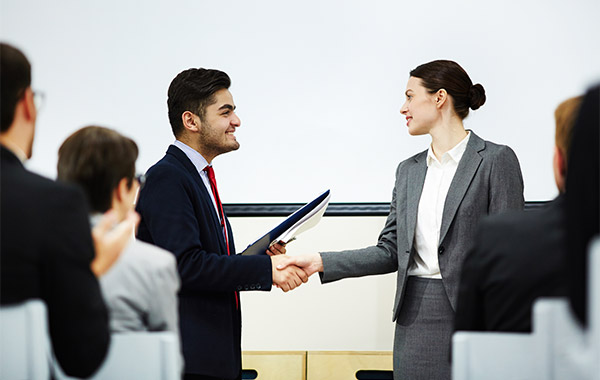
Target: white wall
<point x="351" y="314"/>
<point x="318" y="83"/>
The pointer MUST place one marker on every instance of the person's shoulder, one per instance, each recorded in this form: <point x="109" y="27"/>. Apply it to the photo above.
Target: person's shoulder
<point x="521" y="224"/>
<point x="167" y="168"/>
<point x="150" y="255"/>
<point x="496" y="150"/>
<point x="40" y="189"/>
<point x="412" y="160"/>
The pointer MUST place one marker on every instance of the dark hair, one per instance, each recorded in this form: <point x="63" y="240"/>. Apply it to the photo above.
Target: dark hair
<point x="15" y="72"/>
<point x="454" y="79"/>
<point x="193" y="90"/>
<point x="97" y="159"/>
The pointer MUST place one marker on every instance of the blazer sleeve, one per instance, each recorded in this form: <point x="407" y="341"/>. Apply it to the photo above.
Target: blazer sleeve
<point x="379" y="259"/>
<point x="506" y="182"/>
<point x="77" y="315"/>
<point x="174" y="217"/>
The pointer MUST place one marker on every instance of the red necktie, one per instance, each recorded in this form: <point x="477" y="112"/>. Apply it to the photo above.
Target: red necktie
<point x="213" y="186"/>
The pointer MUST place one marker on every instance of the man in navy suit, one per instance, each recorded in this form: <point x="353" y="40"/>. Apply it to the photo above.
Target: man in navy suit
<point x="181" y="212"/>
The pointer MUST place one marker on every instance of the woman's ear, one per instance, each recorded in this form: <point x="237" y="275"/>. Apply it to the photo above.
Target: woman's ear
<point x="440" y="97"/>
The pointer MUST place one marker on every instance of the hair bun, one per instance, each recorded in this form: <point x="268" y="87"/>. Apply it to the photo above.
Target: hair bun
<point x="476" y="96"/>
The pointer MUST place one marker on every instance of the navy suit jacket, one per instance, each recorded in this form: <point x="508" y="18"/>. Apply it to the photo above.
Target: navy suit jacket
<point x="178" y="215"/>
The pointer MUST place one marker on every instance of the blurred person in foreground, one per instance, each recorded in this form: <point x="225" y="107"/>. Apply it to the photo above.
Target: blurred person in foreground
<point x="46" y="249"/>
<point x="519" y="257"/>
<point x="140" y="289"/>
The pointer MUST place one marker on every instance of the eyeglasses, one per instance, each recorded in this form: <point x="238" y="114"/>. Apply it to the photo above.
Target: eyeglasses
<point x="141" y="179"/>
<point x="38" y="100"/>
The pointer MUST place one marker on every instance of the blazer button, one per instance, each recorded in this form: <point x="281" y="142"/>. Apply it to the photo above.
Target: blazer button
<point x="441" y="250"/>
<point x="239" y="287"/>
<point x="258" y="286"/>
<point x="252" y="287"/>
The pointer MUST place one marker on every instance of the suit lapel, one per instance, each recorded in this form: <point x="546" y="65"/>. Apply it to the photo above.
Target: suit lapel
<point x="416" y="179"/>
<point x="206" y="199"/>
<point x="465" y="172"/>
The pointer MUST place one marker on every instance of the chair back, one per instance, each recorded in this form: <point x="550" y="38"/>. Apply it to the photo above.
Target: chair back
<point x="24" y="341"/>
<point x="138" y="355"/>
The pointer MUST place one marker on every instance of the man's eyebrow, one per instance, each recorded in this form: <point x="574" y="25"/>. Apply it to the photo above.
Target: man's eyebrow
<point x="227" y="106"/>
<point x="406" y="92"/>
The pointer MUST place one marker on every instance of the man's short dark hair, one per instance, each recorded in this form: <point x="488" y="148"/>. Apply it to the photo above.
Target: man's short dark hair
<point x="97" y="159"/>
<point x="193" y="90"/>
<point x="15" y="78"/>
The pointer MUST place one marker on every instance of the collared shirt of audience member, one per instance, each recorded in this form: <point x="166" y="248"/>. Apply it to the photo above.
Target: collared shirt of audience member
<point x="440" y="196"/>
<point x="47" y="251"/>
<point x="141" y="288"/>
<point x="519" y="257"/>
<point x="179" y="212"/>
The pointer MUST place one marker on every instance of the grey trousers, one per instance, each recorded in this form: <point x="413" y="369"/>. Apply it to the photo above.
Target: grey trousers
<point x="423" y="332"/>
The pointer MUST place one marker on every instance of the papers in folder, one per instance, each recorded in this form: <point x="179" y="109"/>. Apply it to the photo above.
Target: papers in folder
<point x="303" y="219"/>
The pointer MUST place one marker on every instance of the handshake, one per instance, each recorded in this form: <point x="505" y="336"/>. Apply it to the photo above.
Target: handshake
<point x="289" y="272"/>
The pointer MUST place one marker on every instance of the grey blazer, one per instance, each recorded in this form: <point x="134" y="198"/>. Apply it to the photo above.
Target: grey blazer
<point x="488" y="180"/>
<point x="140" y="290"/>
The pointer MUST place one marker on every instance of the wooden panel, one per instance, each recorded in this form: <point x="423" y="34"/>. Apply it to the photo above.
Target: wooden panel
<point x="340" y="365"/>
<point x="276" y="365"/>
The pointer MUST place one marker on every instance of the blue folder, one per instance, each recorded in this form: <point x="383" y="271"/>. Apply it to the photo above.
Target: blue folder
<point x="260" y="246"/>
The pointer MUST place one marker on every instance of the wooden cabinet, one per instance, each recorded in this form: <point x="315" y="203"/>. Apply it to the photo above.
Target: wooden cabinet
<point x="317" y="365"/>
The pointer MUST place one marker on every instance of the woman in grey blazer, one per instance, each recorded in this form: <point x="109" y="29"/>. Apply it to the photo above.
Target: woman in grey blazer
<point x="439" y="197"/>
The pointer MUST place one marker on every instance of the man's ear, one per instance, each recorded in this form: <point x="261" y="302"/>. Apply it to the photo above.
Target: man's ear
<point x="559" y="165"/>
<point x="121" y="190"/>
<point x="440" y="97"/>
<point x="29" y="110"/>
<point x="191" y="122"/>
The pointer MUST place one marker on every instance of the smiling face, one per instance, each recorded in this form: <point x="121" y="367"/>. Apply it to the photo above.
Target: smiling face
<point x="419" y="108"/>
<point x="216" y="131"/>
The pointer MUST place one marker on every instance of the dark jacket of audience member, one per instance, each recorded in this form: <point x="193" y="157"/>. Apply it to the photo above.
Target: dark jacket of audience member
<point x="46" y="247"/>
<point x="518" y="257"/>
<point x="583" y="208"/>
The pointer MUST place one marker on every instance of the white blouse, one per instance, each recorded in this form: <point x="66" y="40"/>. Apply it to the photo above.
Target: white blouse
<point x="431" y="208"/>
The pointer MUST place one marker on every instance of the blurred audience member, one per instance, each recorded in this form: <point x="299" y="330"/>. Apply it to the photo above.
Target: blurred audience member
<point x="141" y="288"/>
<point x="518" y="257"/>
<point x="583" y="207"/>
<point x="46" y="248"/>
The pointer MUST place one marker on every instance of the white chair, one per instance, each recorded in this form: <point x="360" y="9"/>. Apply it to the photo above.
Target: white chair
<point x="138" y="355"/>
<point x="558" y="348"/>
<point x="24" y="343"/>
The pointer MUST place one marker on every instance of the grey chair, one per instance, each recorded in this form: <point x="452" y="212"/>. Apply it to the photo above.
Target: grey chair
<point x="24" y="342"/>
<point x="138" y="355"/>
<point x="558" y="347"/>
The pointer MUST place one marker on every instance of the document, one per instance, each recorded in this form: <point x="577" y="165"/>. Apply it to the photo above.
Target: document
<point x="303" y="219"/>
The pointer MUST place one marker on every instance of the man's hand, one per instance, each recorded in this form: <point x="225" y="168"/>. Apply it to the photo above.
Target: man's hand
<point x="277" y="249"/>
<point x="311" y="263"/>
<point x="110" y="238"/>
<point x="290" y="276"/>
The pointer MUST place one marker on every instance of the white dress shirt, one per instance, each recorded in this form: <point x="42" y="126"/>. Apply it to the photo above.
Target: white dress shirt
<point x="431" y="208"/>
